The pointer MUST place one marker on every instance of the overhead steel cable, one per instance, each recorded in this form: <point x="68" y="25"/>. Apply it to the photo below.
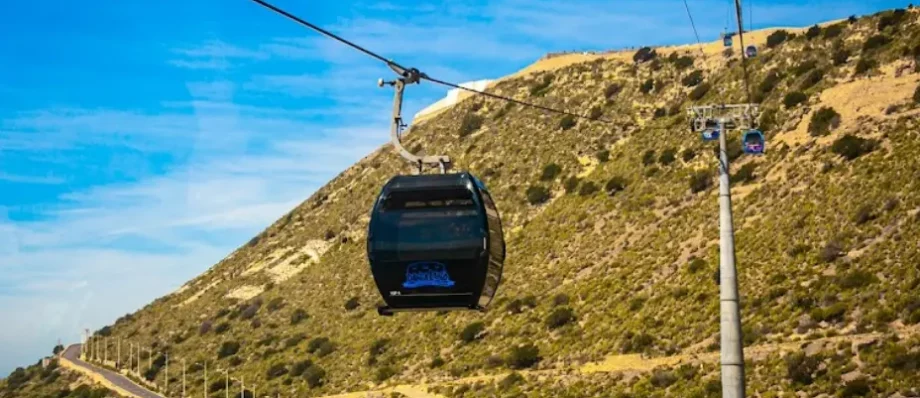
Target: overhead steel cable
<point x="403" y="70"/>
<point x="747" y="85"/>
<point x="693" y="25"/>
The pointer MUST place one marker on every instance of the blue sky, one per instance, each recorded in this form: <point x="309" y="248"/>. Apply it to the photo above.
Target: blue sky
<point x="141" y="142"/>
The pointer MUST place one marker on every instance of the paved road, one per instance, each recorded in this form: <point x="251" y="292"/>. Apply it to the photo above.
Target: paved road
<point x="72" y="353"/>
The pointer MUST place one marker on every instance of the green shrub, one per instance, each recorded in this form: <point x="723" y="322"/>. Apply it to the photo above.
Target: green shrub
<point x="298" y="315"/>
<point x="859" y="387"/>
<point x="769" y="82"/>
<point x="744" y="174"/>
<point x="874" y="42"/>
<point x="683" y="62"/>
<point x="801" y="367"/>
<point x="595" y="113"/>
<point x="832" y="314"/>
<point x="378" y="347"/>
<point x="659" y="113"/>
<point x="777" y="38"/>
<point x="559" y="317"/>
<point x="250" y="311"/>
<point x="524" y="356"/>
<point x="550" y="172"/>
<point x="667" y="156"/>
<point x="804" y="67"/>
<point x="864" y="65"/>
<point x="840" y="57"/>
<point x="890" y="18"/>
<point x="602" y="156"/>
<point x="831" y="251"/>
<point x="469" y="124"/>
<point x="275" y="371"/>
<point x="315" y="376"/>
<point x="852" y="19"/>
<point x="352" y="304"/>
<point x="294" y="340"/>
<point x="813" y="32"/>
<point x="384" y="373"/>
<point x="695" y="265"/>
<point x="833" y="31"/>
<point x="823" y="121"/>
<point x="647" y="86"/>
<point x="571" y="184"/>
<point x="437" y="362"/>
<point x="812" y="79"/>
<point x="614" y="184"/>
<point x="227" y="349"/>
<point x="917" y="95"/>
<point x="275" y="304"/>
<point x="852" y="147"/>
<point x="588" y="188"/>
<point x="700" y="91"/>
<point x="471" y="332"/>
<point x="612" y="90"/>
<point x="300" y="367"/>
<point x="864" y="214"/>
<point x="662" y="378"/>
<point x="793" y="99"/>
<point x="537" y="194"/>
<point x="649" y="157"/>
<point x="540" y="88"/>
<point x="560" y="299"/>
<point x="688" y="154"/>
<point x="856" y="279"/>
<point x="692" y="79"/>
<point x="510" y="380"/>
<point x="700" y="181"/>
<point x="221" y="328"/>
<point x="567" y="122"/>
<point x="644" y="54"/>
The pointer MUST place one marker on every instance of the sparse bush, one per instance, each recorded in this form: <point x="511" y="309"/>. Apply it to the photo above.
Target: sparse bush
<point x="856" y="279"/>
<point x="612" y="90"/>
<point x="294" y="340"/>
<point x="298" y="315"/>
<point x="571" y="184"/>
<point x="852" y="147"/>
<point x="352" y="304"/>
<point x="859" y="387"/>
<point x="588" y="188"/>
<point x="537" y="194"/>
<point x="864" y="214"/>
<point x="700" y="181"/>
<point x="595" y="113"/>
<point x="777" y="38"/>
<point x="227" y="349"/>
<point x="550" y="172"/>
<point x="916" y="96"/>
<point x="667" y="156"/>
<point x="659" y="113"/>
<point x="315" y="376"/>
<point x="793" y="99"/>
<point x="559" y="317"/>
<point x="205" y="327"/>
<point x="688" y="154"/>
<point x="800" y="367"/>
<point x="833" y="313"/>
<point x="693" y="79"/>
<point x="852" y="19"/>
<point x="695" y="265"/>
<point x="222" y="327"/>
<point x="329" y="234"/>
<point x="769" y="82"/>
<point x="804" y="67"/>
<point x="823" y="121"/>
<point x="644" y="54"/>
<point x="471" y="332"/>
<point x="647" y="86"/>
<point x="300" y="367"/>
<point x="890" y="18"/>
<point x="615" y="184"/>
<point x="683" y="62"/>
<point x="840" y="57"/>
<point x="662" y="378"/>
<point x="602" y="156"/>
<point x="875" y="42"/>
<point x="744" y="174"/>
<point x="523" y="356"/>
<point x="437" y="362"/>
<point x="700" y="91"/>
<point x="649" y="157"/>
<point x="813" y="32"/>
<point x="469" y="124"/>
<point x="831" y="251"/>
<point x="812" y="79"/>
<point x="250" y="311"/>
<point x="378" y="347"/>
<point x="275" y="304"/>
<point x="540" y="88"/>
<point x="560" y="299"/>
<point x="567" y="122"/>
<point x="275" y="371"/>
<point x="864" y="65"/>
<point x="833" y="31"/>
<point x="510" y="380"/>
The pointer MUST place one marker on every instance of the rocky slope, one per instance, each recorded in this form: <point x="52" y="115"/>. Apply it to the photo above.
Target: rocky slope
<point x="612" y="236"/>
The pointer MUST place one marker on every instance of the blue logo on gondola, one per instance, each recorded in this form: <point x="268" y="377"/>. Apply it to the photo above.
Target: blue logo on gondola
<point x="427" y="273"/>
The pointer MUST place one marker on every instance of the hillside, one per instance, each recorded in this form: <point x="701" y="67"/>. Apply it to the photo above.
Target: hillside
<point x="612" y="238"/>
<point x="50" y="381"/>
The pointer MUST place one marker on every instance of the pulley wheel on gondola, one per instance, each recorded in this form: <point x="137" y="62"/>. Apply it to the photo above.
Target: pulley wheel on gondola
<point x="434" y="243"/>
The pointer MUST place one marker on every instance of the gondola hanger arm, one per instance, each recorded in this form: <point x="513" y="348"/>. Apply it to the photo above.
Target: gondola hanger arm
<point x="408" y="76"/>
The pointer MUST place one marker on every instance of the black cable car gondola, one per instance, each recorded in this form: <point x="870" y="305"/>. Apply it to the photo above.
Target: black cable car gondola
<point x="750" y="51"/>
<point x="435" y="242"/>
<point x="753" y="142"/>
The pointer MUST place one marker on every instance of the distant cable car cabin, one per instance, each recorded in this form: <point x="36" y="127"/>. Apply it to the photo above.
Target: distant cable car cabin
<point x="435" y="242"/>
<point x="753" y="142"/>
<point x="750" y="51"/>
<point x="710" y="134"/>
<point x="727" y="39"/>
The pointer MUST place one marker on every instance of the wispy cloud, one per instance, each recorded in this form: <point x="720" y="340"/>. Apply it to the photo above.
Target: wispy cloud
<point x="32" y="179"/>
